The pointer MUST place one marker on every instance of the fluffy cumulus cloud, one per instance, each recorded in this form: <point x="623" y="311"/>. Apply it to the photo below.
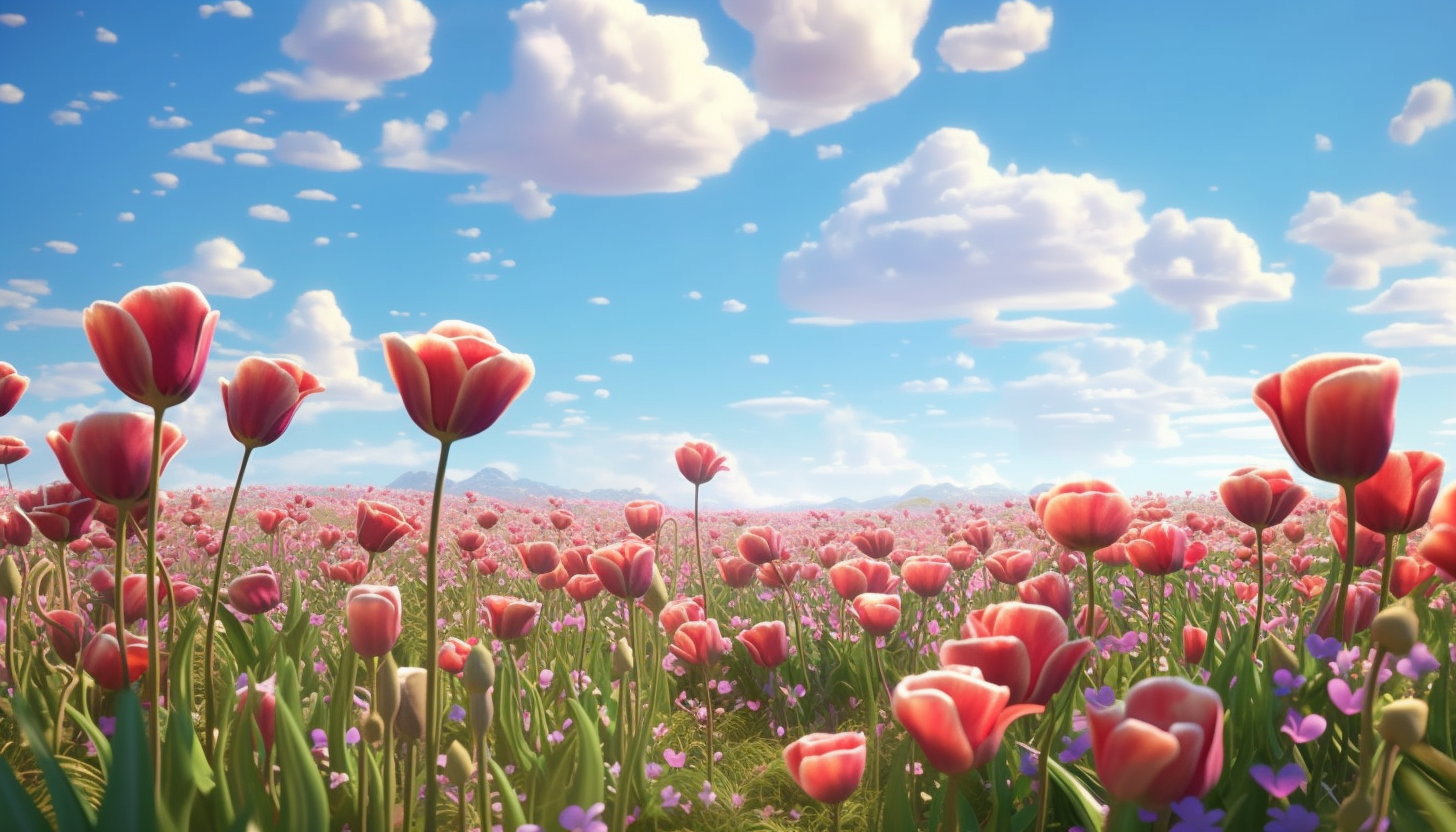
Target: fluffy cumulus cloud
<point x="943" y="235"/>
<point x="1019" y="28"/>
<point x="201" y="151"/>
<point x="217" y="269"/>
<point x="230" y="8"/>
<point x="271" y="213"/>
<point x="1202" y="266"/>
<point x="12" y="20"/>
<point x="62" y="246"/>
<point x="818" y="62"/>
<point x="239" y="139"/>
<point x="316" y="195"/>
<point x="104" y="35"/>
<point x="321" y="337"/>
<point x="65" y="118"/>
<point x="351" y="49"/>
<point x="778" y="406"/>
<point x="606" y="99"/>
<point x="1430" y="104"/>
<point x="1373" y="232"/>
<point x="11" y="94"/>
<point x="315" y="150"/>
<point x="1430" y="300"/>
<point x="859" y="451"/>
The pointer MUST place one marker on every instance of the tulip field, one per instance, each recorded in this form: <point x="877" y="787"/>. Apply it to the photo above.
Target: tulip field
<point x="1255" y="658"/>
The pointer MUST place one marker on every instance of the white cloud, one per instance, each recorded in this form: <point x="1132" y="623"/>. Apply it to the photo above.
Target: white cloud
<point x="782" y="406"/>
<point x="316" y="195"/>
<point x="734" y="306"/>
<point x="758" y="358"/>
<point x="1373" y="232"/>
<point x="477" y="257"/>
<point x="472" y="233"/>
<point x="1203" y="266"/>
<point x="623" y="358"/>
<point x="965" y="362"/>
<point x="314" y="150"/>
<point x="126" y="216"/>
<point x="526" y="198"/>
<point x="602" y="393"/>
<point x="30" y="286"/>
<point x="12" y="20"/>
<point x="231" y="8"/>
<point x="351" y="48"/>
<point x="272" y="213"/>
<point x="560" y="397"/>
<point x="598" y="301"/>
<point x="253" y="120"/>
<point x="242" y="140"/>
<point x="62" y="246"/>
<point x="255" y="160"/>
<point x="68" y="380"/>
<point x="934" y="385"/>
<point x="749" y="228"/>
<point x="818" y="62"/>
<point x="1035" y="328"/>
<point x="320" y="241"/>
<point x="858" y="451"/>
<point x="588" y="378"/>
<point x="436" y="121"/>
<point x="104" y="96"/>
<point x="173" y="122"/>
<point x="1019" y="28"/>
<point x="828" y="151"/>
<point x="606" y="99"/>
<point x="323" y="340"/>
<point x="1430" y="104"/>
<point x="166" y="180"/>
<point x="944" y="235"/>
<point x="11" y="94"/>
<point x="819" y="320"/>
<point x="65" y="118"/>
<point x="78" y="104"/>
<point x="37" y="316"/>
<point x="201" y="151"/>
<point x="405" y="144"/>
<point x="694" y="295"/>
<point x="217" y="268"/>
<point x="105" y="35"/>
<point x="1432" y="300"/>
<point x="1322" y="142"/>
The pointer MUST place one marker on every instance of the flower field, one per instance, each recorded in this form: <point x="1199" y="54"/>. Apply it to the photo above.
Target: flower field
<point x="308" y="659"/>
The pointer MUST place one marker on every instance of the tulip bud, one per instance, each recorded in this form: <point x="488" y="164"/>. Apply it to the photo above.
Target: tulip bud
<point x="9" y="578"/>
<point x="479" y="670"/>
<point x="622" y="660"/>
<point x="386" y="689"/>
<point x="373" y="728"/>
<point x="410" y="721"/>
<point x="1403" y="722"/>
<point x="656" y="597"/>
<point x="1396" y="628"/>
<point x="482" y="714"/>
<point x="458" y="767"/>
<point x="1353" y="813"/>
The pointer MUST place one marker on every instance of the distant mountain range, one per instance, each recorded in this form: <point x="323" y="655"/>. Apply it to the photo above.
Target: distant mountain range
<point x="493" y="482"/>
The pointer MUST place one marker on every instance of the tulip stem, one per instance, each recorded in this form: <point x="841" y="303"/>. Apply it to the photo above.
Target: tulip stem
<point x="10" y="635"/>
<point x="873" y="722"/>
<point x="1387" y="776"/>
<point x="410" y="794"/>
<point x="708" y="705"/>
<point x="1259" y="605"/>
<point x="1340" y="599"/>
<point x="1385" y="570"/>
<point x="578" y="683"/>
<point x="838" y="825"/>
<point x="698" y="545"/>
<point x="207" y="641"/>
<point x="119" y="598"/>
<point x="432" y="646"/>
<point x="154" y="662"/>
<point x="482" y="788"/>
<point x="1367" y="712"/>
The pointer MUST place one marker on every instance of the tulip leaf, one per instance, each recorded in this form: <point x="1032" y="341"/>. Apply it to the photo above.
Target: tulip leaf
<point x="341" y="705"/>
<point x="16" y="805"/>
<point x="512" y="813"/>
<point x="590" y="787"/>
<point x="304" y="803"/>
<point x="179" y="667"/>
<point x="895" y="809"/>
<point x="129" y="802"/>
<point x="237" y="639"/>
<point x="186" y="771"/>
<point x="1087" y="808"/>
<point x="1438" y="810"/>
<point x="94" y="734"/>
<point x="71" y="813"/>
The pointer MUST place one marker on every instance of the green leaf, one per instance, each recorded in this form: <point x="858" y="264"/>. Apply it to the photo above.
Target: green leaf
<point x="1439" y="811"/>
<point x="179" y="667"/>
<point x="512" y="813"/>
<point x="895" y="810"/>
<point x="93" y="733"/>
<point x="129" y="803"/>
<point x="71" y="813"/>
<point x="304" y="803"/>
<point x="237" y="639"/>
<point x="591" y="776"/>
<point x="1087" y="808"/>
<point x="186" y="771"/>
<point x="16" y="805"/>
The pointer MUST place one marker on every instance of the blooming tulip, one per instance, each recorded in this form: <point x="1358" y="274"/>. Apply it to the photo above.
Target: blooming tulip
<point x="856" y="576"/>
<point x="1164" y="744"/>
<point x="263" y="397"/>
<point x="767" y="643"/>
<point x="378" y="526"/>
<point x="375" y="617"/>
<point x="1398" y="499"/>
<point x="680" y="612"/>
<point x="1361" y="602"/>
<point x="699" y="643"/>
<point x="828" y="767"/>
<point x="644" y="517"/>
<point x="153" y="345"/>
<point x="736" y="572"/>
<point x="1158" y="549"/>
<point x="455" y="380"/>
<point x="1084" y="516"/>
<point x="624" y="568"/>
<point x="1010" y="566"/>
<point x="12" y="450"/>
<point x="453" y="655"/>
<point x="926" y="575"/>
<point x="12" y="387"/>
<point x="1260" y="497"/>
<point x="583" y="588"/>
<point x="761" y="545"/>
<point x="1438" y="547"/>
<point x="1021" y="646"/>
<point x="540" y="557"/>
<point x="255" y="592"/>
<point x="1369" y="545"/>
<point x="108" y="456"/>
<point x="349" y="572"/>
<point x="699" y="462"/>
<point x="1049" y="589"/>
<point x="510" y="618"/>
<point x="875" y="543"/>
<point x="956" y="716"/>
<point x="102" y="658"/>
<point x="877" y="613"/>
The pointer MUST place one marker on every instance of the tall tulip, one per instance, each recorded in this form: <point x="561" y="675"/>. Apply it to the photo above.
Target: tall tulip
<point x="1163" y="744"/>
<point x="375" y="616"/>
<point x="1398" y="500"/>
<point x="1021" y="646"/>
<point x="153" y="345"/>
<point x="255" y="592"/>
<point x="1260" y="498"/>
<point x="1084" y="517"/>
<point x="699" y="462"/>
<point x="263" y="397"/>
<point x="644" y="517"/>
<point x="625" y="568"/>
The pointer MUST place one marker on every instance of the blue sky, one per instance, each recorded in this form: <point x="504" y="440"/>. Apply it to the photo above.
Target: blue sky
<point x="857" y="244"/>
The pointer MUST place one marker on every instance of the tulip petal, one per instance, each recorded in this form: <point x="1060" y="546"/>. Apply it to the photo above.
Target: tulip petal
<point x="1351" y="421"/>
<point x="987" y="748"/>
<point x="487" y="390"/>
<point x="1133" y="757"/>
<point x="930" y="716"/>
<point x="121" y="348"/>
<point x="1002" y="660"/>
<point x="1059" y="666"/>
<point x="412" y="380"/>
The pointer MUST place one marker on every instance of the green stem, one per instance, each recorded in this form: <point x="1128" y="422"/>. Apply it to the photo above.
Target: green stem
<point x="581" y="651"/>
<point x="1259" y="606"/>
<point x="154" y="639"/>
<point x="482" y="787"/>
<point x="363" y="786"/>
<point x="10" y="635"/>
<point x="209" y="710"/>
<point x="1367" y="719"/>
<point x="838" y="824"/>
<point x="873" y="720"/>
<point x="409" y="786"/>
<point x="121" y="511"/>
<point x="708" y="703"/>
<point x="1387" y="776"/>
<point x="1386" y="569"/>
<point x="432" y="647"/>
<point x="386" y="771"/>
<point x="1349" y="570"/>
<point x="698" y="544"/>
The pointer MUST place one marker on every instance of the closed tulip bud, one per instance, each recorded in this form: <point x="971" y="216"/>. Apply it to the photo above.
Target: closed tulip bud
<point x="540" y="557"/>
<point x="1396" y="628"/>
<point x="153" y="345"/>
<point x="255" y="592"/>
<point x="386" y="689"/>
<point x="1354" y="812"/>
<point x="479" y="670"/>
<point x="482" y="713"/>
<point x="1195" y="643"/>
<point x="375" y="617"/>
<point x="644" y="517"/>
<point x="409" y="722"/>
<point x="1335" y="414"/>
<point x="455" y="380"/>
<point x="622" y="660"/>
<point x="1403" y="722"/>
<point x="372" y="728"/>
<point x="262" y="398"/>
<point x="9" y="578"/>
<point x="510" y="618"/>
<point x="657" y="596"/>
<point x="458" y="766"/>
<point x="828" y="767"/>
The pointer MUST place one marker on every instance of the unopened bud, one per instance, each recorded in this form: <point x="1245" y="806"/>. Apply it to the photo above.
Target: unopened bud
<point x="1403" y="722"/>
<point x="458" y="767"/>
<point x="386" y="689"/>
<point x="410" y="721"/>
<point x="9" y="578"/>
<point x="622" y="659"/>
<point x="1396" y="629"/>
<point x="657" y="596"/>
<point x="373" y="728"/>
<point x="1354" y="812"/>
<point x="482" y="713"/>
<point x="479" y="675"/>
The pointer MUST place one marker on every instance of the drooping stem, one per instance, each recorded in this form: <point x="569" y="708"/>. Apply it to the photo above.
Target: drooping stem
<point x="698" y="544"/>
<point x="432" y="646"/>
<point x="1340" y="598"/>
<point x="207" y="681"/>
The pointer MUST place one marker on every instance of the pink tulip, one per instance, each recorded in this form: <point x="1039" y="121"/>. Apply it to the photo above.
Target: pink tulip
<point x="767" y="643"/>
<point x="761" y="545"/>
<point x="624" y="568"/>
<point x="255" y="592"/>
<point x="12" y="387"/>
<point x="856" y="576"/>
<point x="378" y="526"/>
<point x="736" y="572"/>
<point x="1084" y="516"/>
<point x="375" y="617"/>
<point x="263" y="397"/>
<point x="956" y="716"/>
<point x="1021" y="646"/>
<point x="1010" y="566"/>
<point x="699" y="643"/>
<point x="12" y="449"/>
<point x="926" y="575"/>
<point x="877" y="613"/>
<point x="875" y="543"/>
<point x="1164" y="744"/>
<point x="455" y="380"/>
<point x="1050" y="590"/>
<point x="510" y="618"/>
<point x="108" y="456"/>
<point x="699" y="462"/>
<point x="644" y="517"/>
<point x="679" y="612"/>
<point x="153" y="345"/>
<point x="540" y="558"/>
<point x="1158" y="549"/>
<point x="828" y="767"/>
<point x="1398" y="499"/>
<point x="1260" y="497"/>
<point x="1335" y="414"/>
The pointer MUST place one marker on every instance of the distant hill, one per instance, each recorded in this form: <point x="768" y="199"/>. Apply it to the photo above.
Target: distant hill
<point x="493" y="482"/>
<point x="922" y="497"/>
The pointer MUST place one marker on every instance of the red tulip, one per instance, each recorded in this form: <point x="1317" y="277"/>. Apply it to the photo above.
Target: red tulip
<point x="644" y="517"/>
<point x="1010" y="566"/>
<point x="877" y="613"/>
<point x="378" y="526"/>
<point x="269" y="520"/>
<point x="926" y="575"/>
<point x="1398" y="499"/>
<point x="1021" y="646"/>
<point x="182" y="593"/>
<point x="540" y="558"/>
<point x="1369" y="545"/>
<point x="487" y="519"/>
<point x="1114" y="555"/>
<point x="583" y="588"/>
<point x="469" y="540"/>
<point x="1260" y="497"/>
<point x="1100" y="619"/>
<point x="956" y="716"/>
<point x="455" y="380"/>
<point x="375" y="617"/>
<point x="736" y="572"/>
<point x="108" y="456"/>
<point x="1335" y="414"/>
<point x="59" y="511"/>
<point x="12" y="450"/>
<point x="255" y="592"/>
<point x="453" y="653"/>
<point x="767" y="643"/>
<point x="12" y="387"/>
<point x="102" y="658"/>
<point x="978" y="533"/>
<point x="134" y="596"/>
<point x="625" y="568"/>
<point x="349" y="572"/>
<point x="874" y="543"/>
<point x="1164" y="744"/>
<point x="856" y="576"/>
<point x="679" y="612"/>
<point x="1438" y="547"/>
<point x="761" y="545"/>
<point x="777" y="576"/>
<point x="15" y="529"/>
<point x="962" y="556"/>
<point x="263" y="397"/>
<point x="1195" y="643"/>
<point x="699" y="462"/>
<point x="828" y="767"/>
<point x="1050" y="590"/>
<point x="1407" y="573"/>
<point x="1361" y="602"/>
<point x="1085" y="516"/>
<point x="699" y="643"/>
<point x="153" y="344"/>
<point x="510" y="618"/>
<point x="265" y="710"/>
<point x="1158" y="549"/>
<point x="67" y="631"/>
